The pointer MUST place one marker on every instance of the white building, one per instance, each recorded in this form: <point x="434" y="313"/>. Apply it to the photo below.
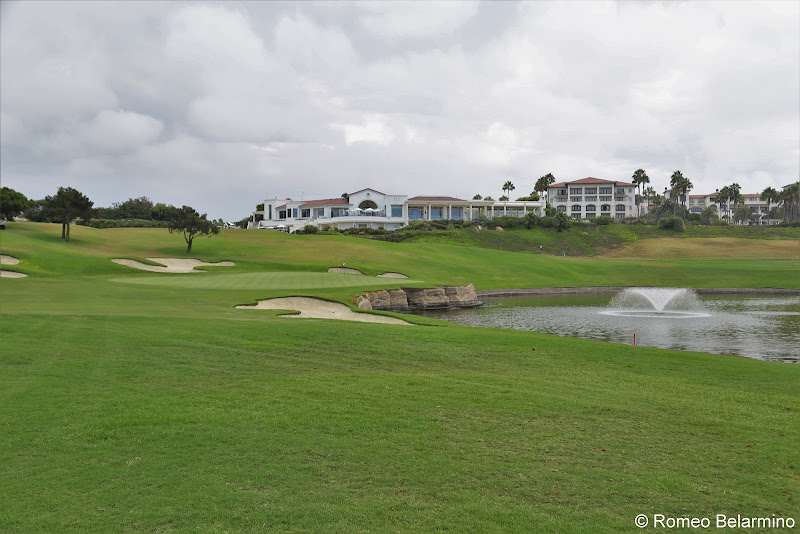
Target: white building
<point x="588" y="198"/>
<point x="369" y="208"/>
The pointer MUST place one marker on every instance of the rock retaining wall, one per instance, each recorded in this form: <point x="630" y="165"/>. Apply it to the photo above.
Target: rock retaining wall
<point x="408" y="299"/>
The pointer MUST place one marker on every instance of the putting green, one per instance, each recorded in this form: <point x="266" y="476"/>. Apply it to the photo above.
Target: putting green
<point x="264" y="280"/>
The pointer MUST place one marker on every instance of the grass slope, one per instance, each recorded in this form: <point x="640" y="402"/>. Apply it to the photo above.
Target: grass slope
<point x="157" y="406"/>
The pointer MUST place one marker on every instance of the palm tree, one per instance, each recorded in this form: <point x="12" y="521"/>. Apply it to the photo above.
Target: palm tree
<point x="508" y="186"/>
<point x="543" y="182"/>
<point x="639" y="178"/>
<point x="790" y="196"/>
<point x="735" y="195"/>
<point x="723" y="196"/>
<point x="680" y="186"/>
<point x="769" y="195"/>
<point x="477" y="197"/>
<point x="648" y="194"/>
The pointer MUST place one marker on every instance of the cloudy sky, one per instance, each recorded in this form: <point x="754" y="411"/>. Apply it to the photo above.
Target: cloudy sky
<point x="219" y="105"/>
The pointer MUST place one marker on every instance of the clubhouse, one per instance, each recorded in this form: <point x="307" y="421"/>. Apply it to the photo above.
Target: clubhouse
<point x="369" y="208"/>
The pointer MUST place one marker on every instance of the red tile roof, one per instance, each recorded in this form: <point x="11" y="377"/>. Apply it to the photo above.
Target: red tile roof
<point x="326" y="202"/>
<point x="591" y="180"/>
<point x="367" y="189"/>
<point x="436" y="199"/>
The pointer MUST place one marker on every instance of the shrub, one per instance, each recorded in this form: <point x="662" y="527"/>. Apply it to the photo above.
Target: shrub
<point x="672" y="223"/>
<point x="604" y="220"/>
<point x="310" y="229"/>
<point x="123" y="223"/>
<point x="546" y="221"/>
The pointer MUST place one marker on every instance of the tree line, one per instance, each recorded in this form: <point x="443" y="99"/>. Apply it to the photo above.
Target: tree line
<point x="69" y="205"/>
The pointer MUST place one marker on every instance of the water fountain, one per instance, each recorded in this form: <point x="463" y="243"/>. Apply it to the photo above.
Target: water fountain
<point x="657" y="302"/>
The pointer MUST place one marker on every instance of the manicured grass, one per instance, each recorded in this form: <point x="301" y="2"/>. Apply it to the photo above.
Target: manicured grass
<point x="146" y="402"/>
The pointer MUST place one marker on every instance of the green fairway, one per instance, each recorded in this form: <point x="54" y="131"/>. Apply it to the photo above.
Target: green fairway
<point x="147" y="402"/>
<point x="270" y="280"/>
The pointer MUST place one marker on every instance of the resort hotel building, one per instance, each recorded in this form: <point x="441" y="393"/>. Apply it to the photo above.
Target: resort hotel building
<point x="369" y="208"/>
<point x="588" y="198"/>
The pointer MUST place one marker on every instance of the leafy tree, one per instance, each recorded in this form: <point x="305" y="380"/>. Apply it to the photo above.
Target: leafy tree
<point x="490" y="199"/>
<point x="532" y="196"/>
<point x="187" y="221"/>
<point x="477" y="197"/>
<point x="561" y="221"/>
<point x="12" y="203"/>
<point x="260" y="207"/>
<point x="640" y="178"/>
<point x="531" y="220"/>
<point x="509" y="187"/>
<point x="65" y="206"/>
<point x="708" y="215"/>
<point x="503" y="198"/>
<point x="160" y="212"/>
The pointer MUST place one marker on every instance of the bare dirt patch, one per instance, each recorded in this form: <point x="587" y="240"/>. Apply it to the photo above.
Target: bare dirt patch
<point x="344" y="270"/>
<point x="8" y="260"/>
<point x="321" y="309"/>
<point x="392" y="275"/>
<point x="172" y="265"/>
<point x="730" y="248"/>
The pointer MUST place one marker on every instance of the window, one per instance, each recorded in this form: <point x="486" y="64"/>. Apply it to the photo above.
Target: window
<point x="591" y="190"/>
<point x="457" y="213"/>
<point x="305" y="213"/>
<point x="415" y="213"/>
<point x="574" y="199"/>
<point x="605" y="199"/>
<point x="620" y="216"/>
<point x="620" y="207"/>
<point x="437" y="213"/>
<point x="575" y="191"/>
<point x="576" y="208"/>
<point x="605" y="190"/>
<point x="338" y="212"/>
<point x="620" y="190"/>
<point x="591" y="215"/>
<point x="620" y="199"/>
<point x="282" y="214"/>
<point x="562" y="192"/>
<point x="321" y="212"/>
<point x="591" y="199"/>
<point x="562" y="208"/>
<point x="294" y="212"/>
<point x="270" y="212"/>
<point x="591" y="207"/>
<point x="605" y="207"/>
<point x="397" y="210"/>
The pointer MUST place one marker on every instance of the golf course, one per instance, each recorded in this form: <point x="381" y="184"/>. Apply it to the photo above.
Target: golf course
<point x="139" y="401"/>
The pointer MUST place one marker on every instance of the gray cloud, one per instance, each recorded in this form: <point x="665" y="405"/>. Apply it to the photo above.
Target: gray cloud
<point x="217" y="105"/>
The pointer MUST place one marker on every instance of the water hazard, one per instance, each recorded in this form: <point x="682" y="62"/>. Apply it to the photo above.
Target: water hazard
<point x="757" y="326"/>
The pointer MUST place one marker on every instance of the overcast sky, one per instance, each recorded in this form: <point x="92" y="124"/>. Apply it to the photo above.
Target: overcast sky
<point x="219" y="105"/>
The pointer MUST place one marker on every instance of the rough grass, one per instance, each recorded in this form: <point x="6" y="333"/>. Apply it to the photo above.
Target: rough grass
<point x="713" y="247"/>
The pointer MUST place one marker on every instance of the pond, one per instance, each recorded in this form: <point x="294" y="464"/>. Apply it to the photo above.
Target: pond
<point x="765" y="327"/>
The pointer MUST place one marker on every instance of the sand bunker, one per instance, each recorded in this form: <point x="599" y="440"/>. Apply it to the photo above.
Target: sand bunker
<point x="173" y="265"/>
<point x="392" y="275"/>
<point x="11" y="274"/>
<point x="344" y="270"/>
<point x="321" y="309"/>
<point x="10" y="260"/>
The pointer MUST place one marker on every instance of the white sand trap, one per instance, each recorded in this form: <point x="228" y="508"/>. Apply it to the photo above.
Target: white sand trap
<point x="8" y="260"/>
<point x="173" y="265"/>
<point x="344" y="270"/>
<point x="11" y="274"/>
<point x="392" y="275"/>
<point x="321" y="309"/>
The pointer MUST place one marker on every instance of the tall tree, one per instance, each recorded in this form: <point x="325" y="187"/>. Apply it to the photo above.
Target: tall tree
<point x="543" y="182"/>
<point x="723" y="196"/>
<point x="649" y="194"/>
<point x="639" y="178"/>
<point x="67" y="205"/>
<point x="191" y="224"/>
<point x="770" y="196"/>
<point x="680" y="187"/>
<point x="508" y="187"/>
<point x="735" y="196"/>
<point x="12" y="203"/>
